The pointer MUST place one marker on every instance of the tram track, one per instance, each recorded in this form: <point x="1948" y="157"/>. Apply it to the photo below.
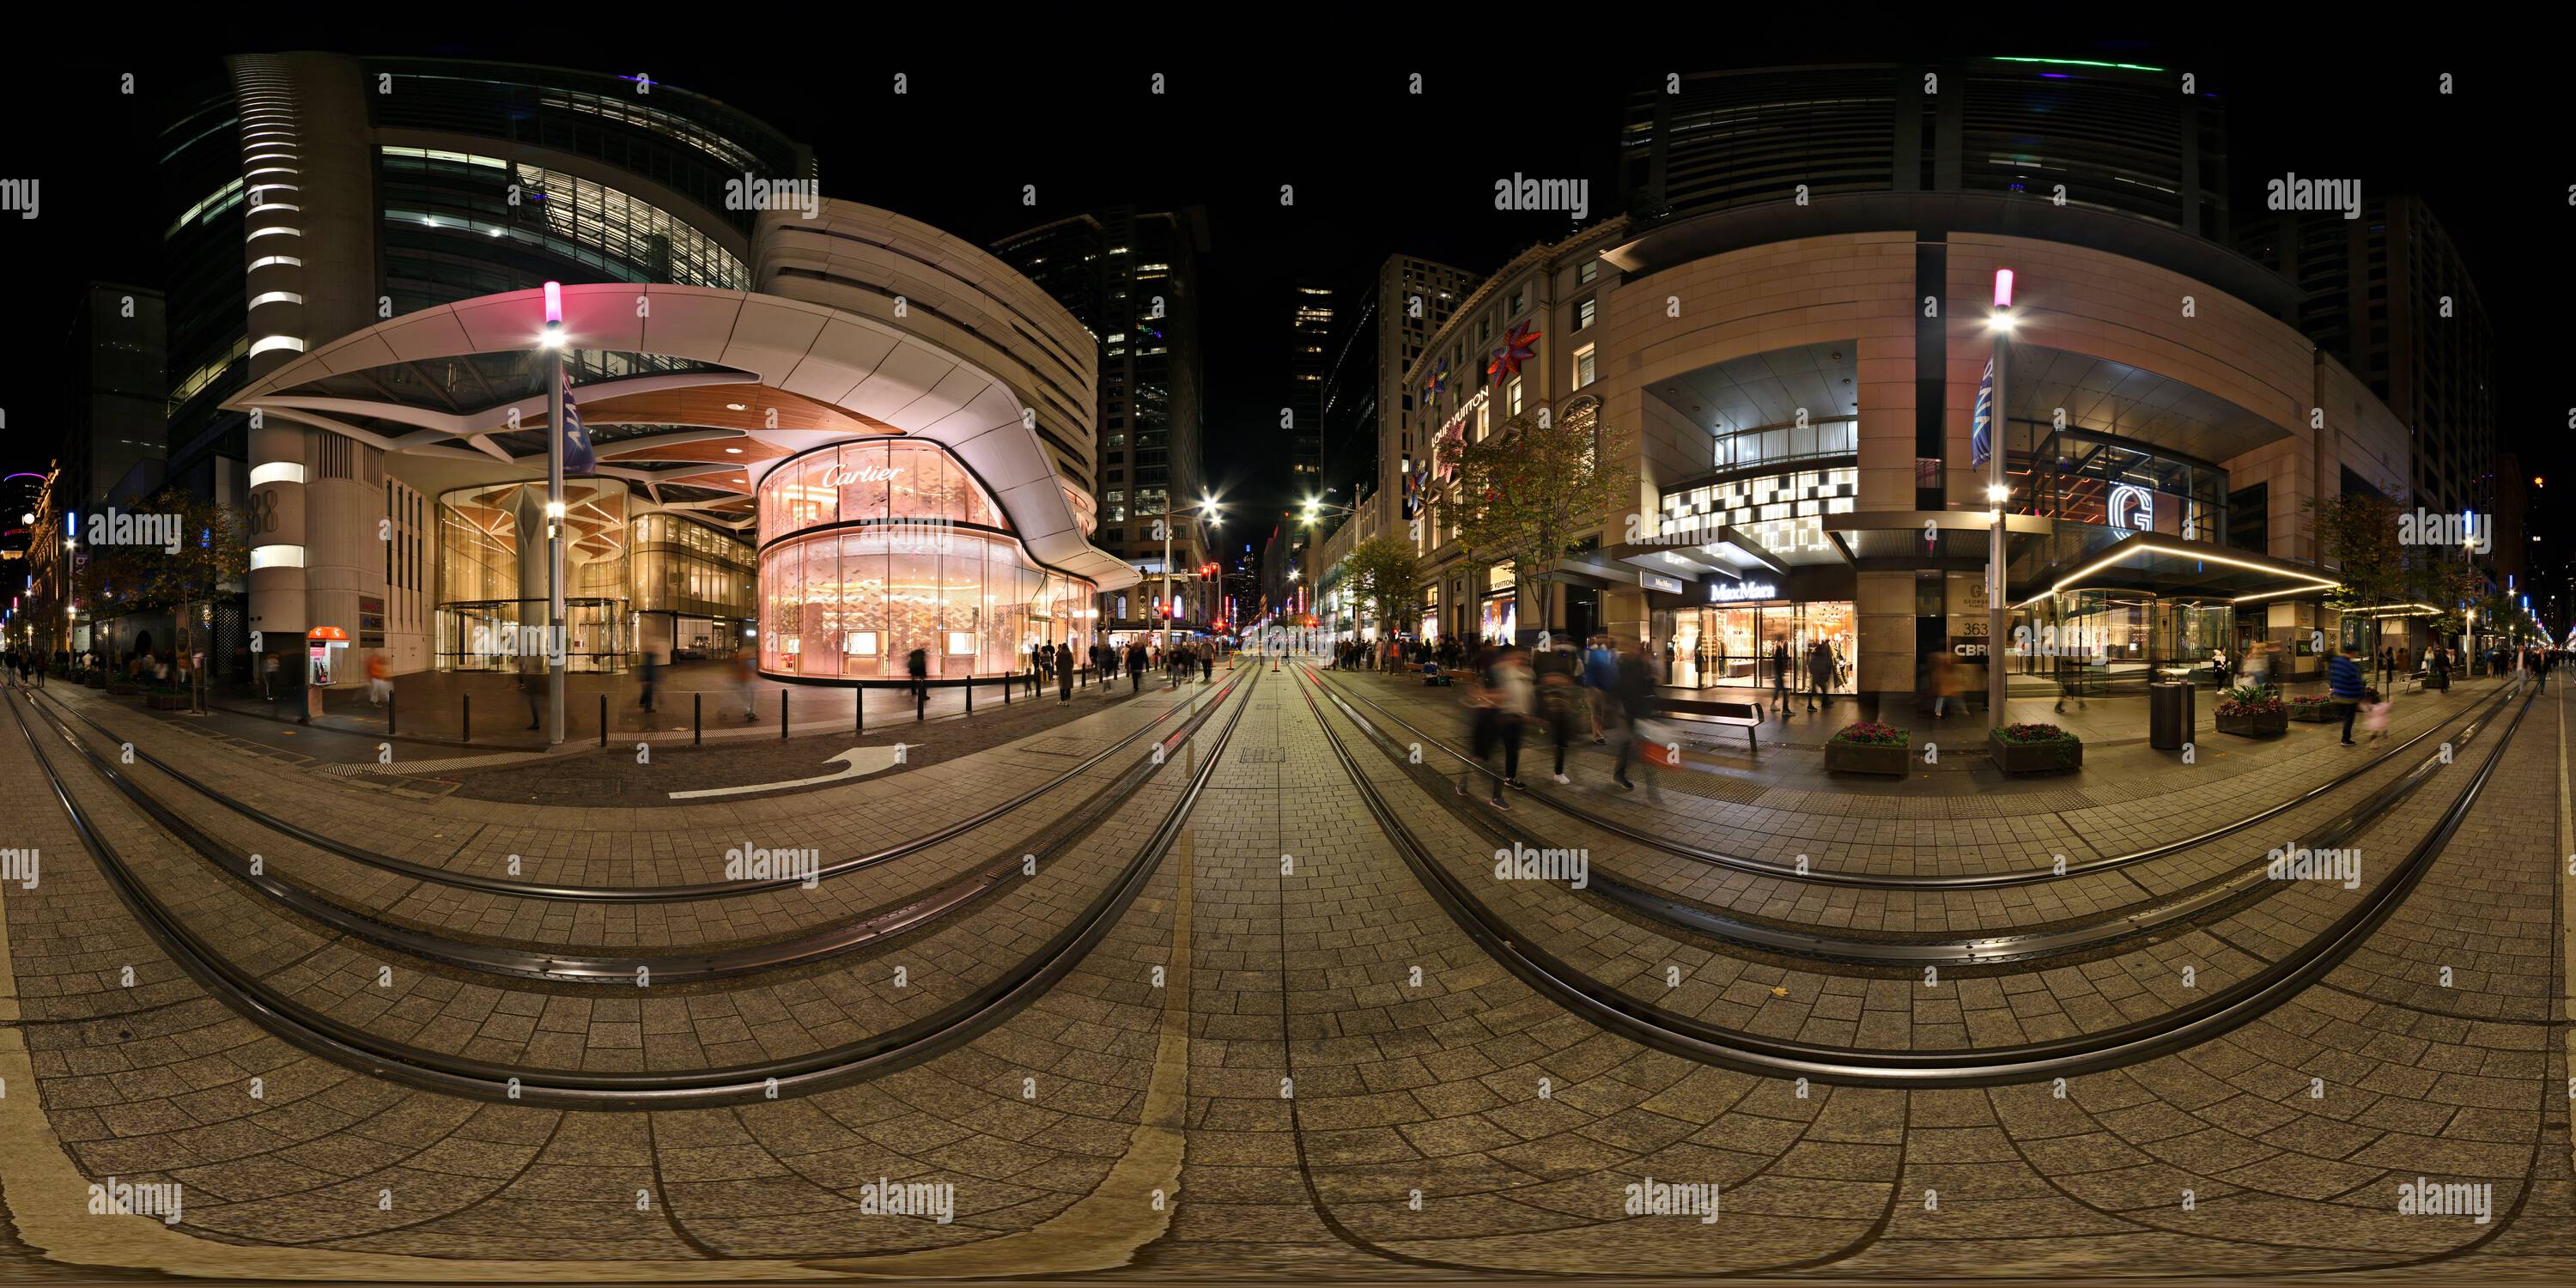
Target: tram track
<point x="1923" y="881"/>
<point x="2147" y="917"/>
<point x="1616" y="1011"/>
<point x="955" y="1024"/>
<point x="620" y="894"/>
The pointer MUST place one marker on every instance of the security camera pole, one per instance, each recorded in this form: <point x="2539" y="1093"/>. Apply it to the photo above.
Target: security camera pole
<point x="1997" y="493"/>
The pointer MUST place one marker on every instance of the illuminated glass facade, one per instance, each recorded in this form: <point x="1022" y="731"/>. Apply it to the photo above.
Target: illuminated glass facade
<point x="872" y="549"/>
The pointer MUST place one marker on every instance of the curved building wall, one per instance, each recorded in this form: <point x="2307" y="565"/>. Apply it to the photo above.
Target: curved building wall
<point x="1863" y="289"/>
<point x="870" y="550"/>
<point x="874" y="262"/>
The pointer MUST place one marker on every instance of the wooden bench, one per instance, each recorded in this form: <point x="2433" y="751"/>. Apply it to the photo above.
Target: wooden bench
<point x="1746" y="716"/>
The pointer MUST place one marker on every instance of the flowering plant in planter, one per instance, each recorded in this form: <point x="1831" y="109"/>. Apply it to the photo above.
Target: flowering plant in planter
<point x="1868" y="747"/>
<point x="2251" y="700"/>
<point x="1870" y="733"/>
<point x="2032" y="732"/>
<point x="2312" y="707"/>
<point x="2030" y="748"/>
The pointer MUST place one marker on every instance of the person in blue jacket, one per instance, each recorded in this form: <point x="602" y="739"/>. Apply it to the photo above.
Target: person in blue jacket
<point x="2343" y="680"/>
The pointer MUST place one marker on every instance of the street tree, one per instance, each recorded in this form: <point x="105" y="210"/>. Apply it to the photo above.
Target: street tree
<point x="1528" y="493"/>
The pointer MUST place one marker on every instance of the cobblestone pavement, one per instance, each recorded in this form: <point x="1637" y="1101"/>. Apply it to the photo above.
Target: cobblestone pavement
<point x="1286" y="1059"/>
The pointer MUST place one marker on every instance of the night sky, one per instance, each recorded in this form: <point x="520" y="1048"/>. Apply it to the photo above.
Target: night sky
<point x="1376" y="169"/>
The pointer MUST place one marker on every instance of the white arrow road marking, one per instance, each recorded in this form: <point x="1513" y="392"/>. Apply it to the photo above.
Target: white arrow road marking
<point x="857" y="762"/>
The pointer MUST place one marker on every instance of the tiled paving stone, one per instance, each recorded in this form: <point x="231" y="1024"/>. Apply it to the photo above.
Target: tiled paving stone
<point x="608" y="928"/>
<point x="535" y="1025"/>
<point x="619" y="845"/>
<point x="2002" y="826"/>
<point x="1431" y="1088"/>
<point x="155" y="1089"/>
<point x="1827" y="1003"/>
<point x="2080" y="897"/>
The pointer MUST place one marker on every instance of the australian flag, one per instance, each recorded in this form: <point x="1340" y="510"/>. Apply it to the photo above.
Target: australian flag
<point x="1981" y="437"/>
<point x="576" y="440"/>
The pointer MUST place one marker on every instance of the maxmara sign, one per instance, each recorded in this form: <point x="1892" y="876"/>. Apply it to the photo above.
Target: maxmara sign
<point x="1727" y="592"/>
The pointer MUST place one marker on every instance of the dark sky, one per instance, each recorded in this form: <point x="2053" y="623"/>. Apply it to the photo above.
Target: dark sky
<point x="1377" y="169"/>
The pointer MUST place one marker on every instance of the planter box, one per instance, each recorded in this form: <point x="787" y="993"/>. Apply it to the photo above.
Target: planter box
<point x="2035" y="757"/>
<point x="94" y="681"/>
<point x="166" y="701"/>
<point x="2315" y="713"/>
<point x="121" y="689"/>
<point x="1860" y="758"/>
<point x="2265" y="726"/>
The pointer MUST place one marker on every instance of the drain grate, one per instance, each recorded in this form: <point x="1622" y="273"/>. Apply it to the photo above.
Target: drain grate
<point x="1262" y="755"/>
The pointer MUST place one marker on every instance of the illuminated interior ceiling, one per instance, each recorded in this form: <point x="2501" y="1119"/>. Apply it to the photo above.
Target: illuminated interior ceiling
<point x="2131" y="403"/>
<point x="691" y="394"/>
<point x="1765" y="389"/>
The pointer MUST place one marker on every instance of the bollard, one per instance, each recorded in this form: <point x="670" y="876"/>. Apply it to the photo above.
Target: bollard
<point x="603" y="719"/>
<point x="1007" y="680"/>
<point x="782" y="715"/>
<point x="466" y="727"/>
<point x="970" y="695"/>
<point x="859" y="709"/>
<point x="697" y="719"/>
<point x="920" y="701"/>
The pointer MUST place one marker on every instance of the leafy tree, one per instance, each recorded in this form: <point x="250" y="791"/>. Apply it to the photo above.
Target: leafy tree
<point x="2451" y="584"/>
<point x="1384" y="578"/>
<point x="1528" y="492"/>
<point x="2356" y="534"/>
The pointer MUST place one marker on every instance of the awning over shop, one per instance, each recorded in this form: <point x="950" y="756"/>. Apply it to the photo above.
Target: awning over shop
<point x="1730" y="554"/>
<point x="2171" y="566"/>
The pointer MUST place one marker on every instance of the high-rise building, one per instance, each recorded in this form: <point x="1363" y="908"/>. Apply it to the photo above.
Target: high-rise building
<point x="2388" y="296"/>
<point x="1310" y="340"/>
<point x="1384" y="328"/>
<point x="309" y="196"/>
<point x="114" y="444"/>
<point x="2126" y="137"/>
<point x="1132" y="279"/>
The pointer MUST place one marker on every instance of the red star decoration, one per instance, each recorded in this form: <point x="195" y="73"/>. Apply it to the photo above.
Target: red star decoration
<point x="1519" y="345"/>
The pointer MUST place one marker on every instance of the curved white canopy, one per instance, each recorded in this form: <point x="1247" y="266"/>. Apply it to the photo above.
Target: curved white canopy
<point x="862" y="365"/>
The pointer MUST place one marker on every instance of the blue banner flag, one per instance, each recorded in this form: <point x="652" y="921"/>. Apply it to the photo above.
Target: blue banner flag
<point x="1981" y="437"/>
<point x="576" y="447"/>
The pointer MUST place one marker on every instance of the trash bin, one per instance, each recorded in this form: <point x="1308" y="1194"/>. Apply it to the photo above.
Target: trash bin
<point x="2170" y="715"/>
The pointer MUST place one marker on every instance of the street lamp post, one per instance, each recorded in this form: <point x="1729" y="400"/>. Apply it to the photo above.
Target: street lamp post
<point x="554" y="344"/>
<point x="1207" y="505"/>
<point x="1999" y="493"/>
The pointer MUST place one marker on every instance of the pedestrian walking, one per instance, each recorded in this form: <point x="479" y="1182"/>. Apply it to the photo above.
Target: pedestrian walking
<point x="1601" y="684"/>
<point x="1064" y="675"/>
<point x="651" y="672"/>
<point x="1135" y="668"/>
<point x="747" y="673"/>
<point x="1945" y="683"/>
<point x="1820" y="673"/>
<point x="2343" y="681"/>
<point x="916" y="665"/>
<point x="2374" y="713"/>
<point x="1633" y="707"/>
<point x="1499" y="703"/>
<point x="1559" y="698"/>
<point x="380" y="679"/>
<point x="1780" y="674"/>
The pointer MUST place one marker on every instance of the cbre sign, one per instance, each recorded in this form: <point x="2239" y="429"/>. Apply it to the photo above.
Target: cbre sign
<point x="1725" y="592"/>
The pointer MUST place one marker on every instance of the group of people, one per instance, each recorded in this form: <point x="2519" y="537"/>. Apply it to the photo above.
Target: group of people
<point x="26" y="666"/>
<point x="1604" y="690"/>
<point x="1051" y="661"/>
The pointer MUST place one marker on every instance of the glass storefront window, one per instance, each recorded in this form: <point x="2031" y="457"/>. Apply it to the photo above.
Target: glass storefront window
<point x="855" y="603"/>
